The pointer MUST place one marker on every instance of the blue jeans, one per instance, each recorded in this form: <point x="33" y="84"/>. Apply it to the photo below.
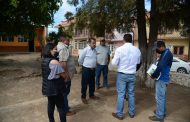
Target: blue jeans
<point x="160" y="96"/>
<point x="125" y="82"/>
<point x="67" y="91"/>
<point x="99" y="70"/>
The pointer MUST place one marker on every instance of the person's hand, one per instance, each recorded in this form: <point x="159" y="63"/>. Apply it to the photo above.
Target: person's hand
<point x="153" y="78"/>
<point x="67" y="78"/>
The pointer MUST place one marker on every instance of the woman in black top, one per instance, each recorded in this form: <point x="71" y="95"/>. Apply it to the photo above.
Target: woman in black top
<point x="53" y="85"/>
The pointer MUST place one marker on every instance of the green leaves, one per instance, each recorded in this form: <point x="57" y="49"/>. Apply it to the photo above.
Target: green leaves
<point x="23" y="16"/>
<point x="101" y="16"/>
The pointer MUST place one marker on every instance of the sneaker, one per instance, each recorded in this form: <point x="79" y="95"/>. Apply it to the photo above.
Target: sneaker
<point x="155" y="113"/>
<point x="116" y="116"/>
<point x="154" y="118"/>
<point x="126" y="98"/>
<point x="70" y="113"/>
<point x="84" y="100"/>
<point x="131" y="116"/>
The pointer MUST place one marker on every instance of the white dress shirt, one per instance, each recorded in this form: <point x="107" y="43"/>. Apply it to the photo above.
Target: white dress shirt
<point x="88" y="57"/>
<point x="126" y="58"/>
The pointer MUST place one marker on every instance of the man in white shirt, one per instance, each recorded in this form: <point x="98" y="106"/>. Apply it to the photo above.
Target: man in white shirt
<point x="88" y="61"/>
<point x="103" y="58"/>
<point x="127" y="58"/>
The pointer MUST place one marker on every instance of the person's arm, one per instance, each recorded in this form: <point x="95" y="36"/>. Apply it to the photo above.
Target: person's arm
<point x="57" y="68"/>
<point x="139" y="62"/>
<point x="82" y="56"/>
<point x="63" y="75"/>
<point x="63" y="57"/>
<point x="109" y="55"/>
<point x="116" y="58"/>
<point x="161" y="64"/>
<point x="108" y="59"/>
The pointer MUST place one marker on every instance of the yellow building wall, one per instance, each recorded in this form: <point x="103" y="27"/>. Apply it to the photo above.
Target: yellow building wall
<point x="16" y="46"/>
<point x="178" y="42"/>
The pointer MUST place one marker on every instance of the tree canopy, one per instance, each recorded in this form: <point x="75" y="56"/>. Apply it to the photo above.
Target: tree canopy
<point x="23" y="16"/>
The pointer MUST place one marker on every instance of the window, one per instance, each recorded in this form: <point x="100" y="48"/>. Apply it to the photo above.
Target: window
<point x="22" y="39"/>
<point x="82" y="44"/>
<point x="178" y="50"/>
<point x="78" y="32"/>
<point x="75" y="45"/>
<point x="6" y="38"/>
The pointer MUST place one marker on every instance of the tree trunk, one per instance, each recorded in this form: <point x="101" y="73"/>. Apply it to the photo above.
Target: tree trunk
<point x="153" y="31"/>
<point x="142" y="38"/>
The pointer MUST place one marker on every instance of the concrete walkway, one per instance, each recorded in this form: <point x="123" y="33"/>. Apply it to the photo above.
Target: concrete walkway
<point x="21" y="99"/>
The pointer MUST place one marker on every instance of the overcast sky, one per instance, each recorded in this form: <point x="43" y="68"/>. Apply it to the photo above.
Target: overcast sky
<point x="59" y="15"/>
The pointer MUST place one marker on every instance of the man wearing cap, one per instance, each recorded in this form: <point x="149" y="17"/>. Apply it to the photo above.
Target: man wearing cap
<point x="103" y="58"/>
<point x="162" y="76"/>
<point x="127" y="58"/>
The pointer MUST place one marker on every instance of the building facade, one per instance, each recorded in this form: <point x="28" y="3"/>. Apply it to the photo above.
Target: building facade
<point x="19" y="43"/>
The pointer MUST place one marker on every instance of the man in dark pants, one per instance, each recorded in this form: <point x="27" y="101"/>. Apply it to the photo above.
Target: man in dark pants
<point x="162" y="79"/>
<point x="88" y="61"/>
<point x="67" y="62"/>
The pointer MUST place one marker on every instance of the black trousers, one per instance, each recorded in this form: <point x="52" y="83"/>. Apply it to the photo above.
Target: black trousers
<point x="88" y="78"/>
<point x="57" y="100"/>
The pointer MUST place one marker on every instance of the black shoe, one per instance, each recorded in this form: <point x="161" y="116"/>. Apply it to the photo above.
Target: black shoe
<point x="131" y="116"/>
<point x="98" y="87"/>
<point x="126" y="98"/>
<point x="155" y="113"/>
<point x="154" y="118"/>
<point x="115" y="115"/>
<point x="84" y="100"/>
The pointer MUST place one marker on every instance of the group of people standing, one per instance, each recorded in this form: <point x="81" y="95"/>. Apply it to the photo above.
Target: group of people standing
<point x="58" y="71"/>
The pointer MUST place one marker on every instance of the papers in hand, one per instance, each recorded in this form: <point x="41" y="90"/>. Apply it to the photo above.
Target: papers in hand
<point x="151" y="70"/>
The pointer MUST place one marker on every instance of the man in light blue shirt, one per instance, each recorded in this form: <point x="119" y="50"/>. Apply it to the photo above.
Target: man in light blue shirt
<point x="103" y="58"/>
<point x="127" y="58"/>
<point x="88" y="61"/>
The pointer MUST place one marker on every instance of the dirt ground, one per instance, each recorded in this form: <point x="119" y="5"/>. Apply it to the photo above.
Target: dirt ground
<point x="21" y="99"/>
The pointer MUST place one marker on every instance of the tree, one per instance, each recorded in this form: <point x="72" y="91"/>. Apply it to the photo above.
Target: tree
<point x="23" y="16"/>
<point x="142" y="39"/>
<point x="52" y="37"/>
<point x="101" y="16"/>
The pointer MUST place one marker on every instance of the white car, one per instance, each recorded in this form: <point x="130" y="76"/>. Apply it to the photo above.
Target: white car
<point x="180" y="66"/>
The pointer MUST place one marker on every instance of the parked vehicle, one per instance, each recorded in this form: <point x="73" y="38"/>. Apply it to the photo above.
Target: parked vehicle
<point x="180" y="66"/>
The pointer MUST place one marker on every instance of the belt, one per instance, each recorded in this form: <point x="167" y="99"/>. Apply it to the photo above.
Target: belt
<point x="126" y="73"/>
<point x="89" y="68"/>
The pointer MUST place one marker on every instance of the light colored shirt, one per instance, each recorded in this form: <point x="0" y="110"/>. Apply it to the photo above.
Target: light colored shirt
<point x="102" y="54"/>
<point x="88" y="57"/>
<point x="126" y="58"/>
<point x="63" y="51"/>
<point x="56" y="69"/>
<point x="64" y="55"/>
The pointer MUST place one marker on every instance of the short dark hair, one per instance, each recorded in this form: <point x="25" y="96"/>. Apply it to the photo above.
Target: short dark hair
<point x="160" y="44"/>
<point x="90" y="39"/>
<point x="46" y="51"/>
<point x="127" y="38"/>
<point x="103" y="40"/>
